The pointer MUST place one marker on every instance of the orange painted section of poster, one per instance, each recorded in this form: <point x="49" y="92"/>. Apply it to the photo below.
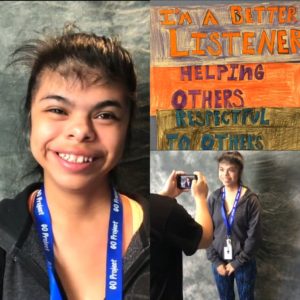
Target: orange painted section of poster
<point x="279" y="87"/>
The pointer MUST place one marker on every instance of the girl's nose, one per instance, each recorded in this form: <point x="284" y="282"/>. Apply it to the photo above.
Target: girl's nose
<point x="81" y="131"/>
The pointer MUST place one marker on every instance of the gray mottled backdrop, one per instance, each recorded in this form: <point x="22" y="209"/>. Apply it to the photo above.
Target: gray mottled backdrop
<point x="19" y="21"/>
<point x="275" y="177"/>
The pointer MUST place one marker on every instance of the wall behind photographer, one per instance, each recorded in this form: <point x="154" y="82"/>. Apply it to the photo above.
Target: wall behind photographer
<point x="274" y="175"/>
<point x="22" y="20"/>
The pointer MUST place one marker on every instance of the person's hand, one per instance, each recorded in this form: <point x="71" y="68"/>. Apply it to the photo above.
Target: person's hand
<point x="199" y="186"/>
<point x="170" y="188"/>
<point x="221" y="269"/>
<point x="229" y="269"/>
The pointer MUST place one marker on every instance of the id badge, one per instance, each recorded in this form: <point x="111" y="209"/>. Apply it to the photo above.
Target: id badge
<point x="228" y="250"/>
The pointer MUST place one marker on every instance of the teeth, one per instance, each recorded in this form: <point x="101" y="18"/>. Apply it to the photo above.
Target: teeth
<point x="75" y="159"/>
<point x="80" y="159"/>
<point x="72" y="158"/>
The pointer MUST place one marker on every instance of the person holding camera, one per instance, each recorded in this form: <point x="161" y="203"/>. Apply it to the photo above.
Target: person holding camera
<point x="236" y="215"/>
<point x="173" y="230"/>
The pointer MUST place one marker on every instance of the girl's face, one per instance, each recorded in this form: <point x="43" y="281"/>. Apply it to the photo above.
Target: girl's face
<point x="229" y="174"/>
<point x="77" y="133"/>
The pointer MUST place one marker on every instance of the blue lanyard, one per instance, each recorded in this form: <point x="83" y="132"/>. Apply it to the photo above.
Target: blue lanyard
<point x="114" y="248"/>
<point x="229" y="222"/>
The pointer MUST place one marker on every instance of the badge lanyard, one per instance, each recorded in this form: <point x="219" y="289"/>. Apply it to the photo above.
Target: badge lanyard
<point x="228" y="253"/>
<point x="114" y="247"/>
<point x="229" y="222"/>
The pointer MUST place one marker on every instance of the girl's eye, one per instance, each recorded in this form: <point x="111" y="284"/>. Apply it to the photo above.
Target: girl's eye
<point x="107" y="116"/>
<point x="57" y="111"/>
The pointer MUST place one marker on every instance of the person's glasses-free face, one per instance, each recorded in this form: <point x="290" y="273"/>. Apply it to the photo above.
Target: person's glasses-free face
<point x="77" y="133"/>
<point x="228" y="174"/>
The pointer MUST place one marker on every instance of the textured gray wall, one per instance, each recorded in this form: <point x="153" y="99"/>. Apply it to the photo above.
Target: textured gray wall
<point x="274" y="175"/>
<point x="19" y="21"/>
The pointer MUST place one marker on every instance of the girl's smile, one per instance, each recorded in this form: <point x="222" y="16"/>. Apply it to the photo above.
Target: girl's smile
<point x="73" y="162"/>
<point x="77" y="159"/>
<point x="77" y="132"/>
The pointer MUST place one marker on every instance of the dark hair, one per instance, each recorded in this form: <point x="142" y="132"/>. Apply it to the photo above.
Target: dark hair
<point x="86" y="57"/>
<point x="233" y="157"/>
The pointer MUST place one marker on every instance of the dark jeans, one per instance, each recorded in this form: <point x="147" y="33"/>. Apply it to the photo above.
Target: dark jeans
<point x="245" y="280"/>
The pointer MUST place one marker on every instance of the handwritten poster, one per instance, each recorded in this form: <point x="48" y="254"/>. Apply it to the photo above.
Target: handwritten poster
<point x="226" y="76"/>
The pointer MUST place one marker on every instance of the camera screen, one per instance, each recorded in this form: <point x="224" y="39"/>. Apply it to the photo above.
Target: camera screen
<point x="185" y="181"/>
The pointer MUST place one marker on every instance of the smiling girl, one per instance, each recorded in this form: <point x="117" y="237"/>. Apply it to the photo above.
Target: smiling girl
<point x="73" y="236"/>
<point x="235" y="211"/>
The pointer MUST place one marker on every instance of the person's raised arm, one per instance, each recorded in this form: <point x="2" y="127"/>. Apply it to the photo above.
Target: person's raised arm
<point x="170" y="188"/>
<point x="202" y="216"/>
<point x="199" y="191"/>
